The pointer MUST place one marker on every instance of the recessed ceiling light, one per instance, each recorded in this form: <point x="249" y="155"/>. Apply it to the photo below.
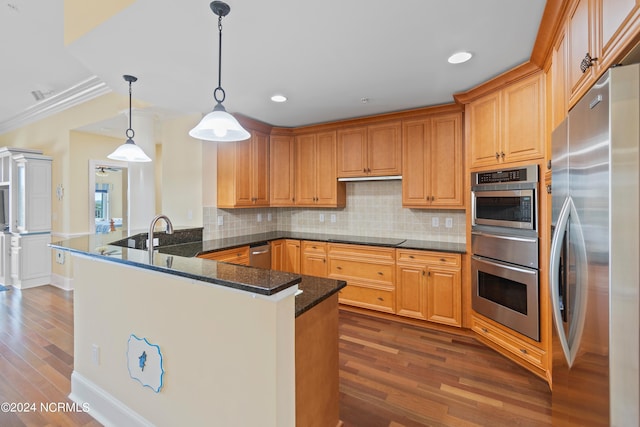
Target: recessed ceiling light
<point x="279" y="98"/>
<point x="459" y="57"/>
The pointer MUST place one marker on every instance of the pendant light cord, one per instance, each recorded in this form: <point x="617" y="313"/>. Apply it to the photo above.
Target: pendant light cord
<point x="132" y="132"/>
<point x="219" y="88"/>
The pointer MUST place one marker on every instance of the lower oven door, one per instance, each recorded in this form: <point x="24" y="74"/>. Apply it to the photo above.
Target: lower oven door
<point x="506" y="293"/>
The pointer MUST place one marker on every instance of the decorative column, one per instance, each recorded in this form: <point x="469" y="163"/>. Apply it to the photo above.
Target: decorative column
<point x="142" y="188"/>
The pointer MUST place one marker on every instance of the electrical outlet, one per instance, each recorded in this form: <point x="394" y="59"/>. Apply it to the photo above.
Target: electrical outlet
<point x="333" y="218"/>
<point x="189" y="214"/>
<point x="95" y="354"/>
<point x="321" y="217"/>
<point x="448" y="222"/>
<point x="60" y="257"/>
<point x="269" y="216"/>
<point x="220" y="220"/>
<point x="435" y="222"/>
<point x="259" y="217"/>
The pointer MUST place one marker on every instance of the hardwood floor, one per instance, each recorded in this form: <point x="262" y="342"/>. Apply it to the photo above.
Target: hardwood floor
<point x="391" y="374"/>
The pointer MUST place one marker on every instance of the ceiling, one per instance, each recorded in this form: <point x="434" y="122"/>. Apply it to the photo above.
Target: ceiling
<point x="333" y="59"/>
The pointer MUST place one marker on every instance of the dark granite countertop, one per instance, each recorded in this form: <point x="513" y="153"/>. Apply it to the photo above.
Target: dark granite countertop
<point x="180" y="259"/>
<point x="195" y="248"/>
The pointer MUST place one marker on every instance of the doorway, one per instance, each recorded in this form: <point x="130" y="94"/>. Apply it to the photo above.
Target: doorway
<point x="108" y="196"/>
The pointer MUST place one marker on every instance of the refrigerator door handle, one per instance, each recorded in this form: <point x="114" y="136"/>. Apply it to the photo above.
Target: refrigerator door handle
<point x="571" y="343"/>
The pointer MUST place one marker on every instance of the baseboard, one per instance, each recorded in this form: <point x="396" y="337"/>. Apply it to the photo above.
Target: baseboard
<point x="62" y="282"/>
<point x="31" y="283"/>
<point x="102" y="406"/>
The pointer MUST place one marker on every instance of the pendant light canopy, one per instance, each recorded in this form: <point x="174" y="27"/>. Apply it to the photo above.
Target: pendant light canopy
<point x="219" y="125"/>
<point x="129" y="151"/>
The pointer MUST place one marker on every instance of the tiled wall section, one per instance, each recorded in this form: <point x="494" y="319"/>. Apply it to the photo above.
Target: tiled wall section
<point x="374" y="208"/>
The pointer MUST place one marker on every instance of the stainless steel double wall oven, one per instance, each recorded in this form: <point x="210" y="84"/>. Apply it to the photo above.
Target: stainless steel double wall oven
<point x="504" y="243"/>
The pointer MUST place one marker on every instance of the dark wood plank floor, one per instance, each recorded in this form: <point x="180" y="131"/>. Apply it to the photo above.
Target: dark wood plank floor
<point x="391" y="374"/>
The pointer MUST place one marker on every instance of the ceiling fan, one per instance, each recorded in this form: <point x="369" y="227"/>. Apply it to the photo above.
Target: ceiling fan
<point x="104" y="170"/>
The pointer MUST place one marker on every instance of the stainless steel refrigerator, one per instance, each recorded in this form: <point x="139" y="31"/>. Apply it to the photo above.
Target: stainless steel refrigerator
<point x="594" y="269"/>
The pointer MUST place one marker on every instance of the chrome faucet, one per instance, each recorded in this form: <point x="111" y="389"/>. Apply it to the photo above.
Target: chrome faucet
<point x="169" y="230"/>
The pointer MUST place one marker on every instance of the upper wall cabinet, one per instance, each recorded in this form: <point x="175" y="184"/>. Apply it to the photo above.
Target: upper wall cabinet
<point x="315" y="171"/>
<point x="282" y="170"/>
<point x="597" y="32"/>
<point x="369" y="151"/>
<point x="243" y="172"/>
<point x="432" y="174"/>
<point x="507" y="125"/>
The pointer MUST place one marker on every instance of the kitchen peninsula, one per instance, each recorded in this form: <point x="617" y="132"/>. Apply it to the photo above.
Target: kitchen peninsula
<point x="225" y="336"/>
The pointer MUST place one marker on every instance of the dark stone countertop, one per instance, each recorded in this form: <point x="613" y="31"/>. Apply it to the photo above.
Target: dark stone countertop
<point x="195" y="248"/>
<point x="180" y="259"/>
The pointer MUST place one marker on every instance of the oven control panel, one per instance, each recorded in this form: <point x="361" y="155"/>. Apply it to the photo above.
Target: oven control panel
<point x="517" y="175"/>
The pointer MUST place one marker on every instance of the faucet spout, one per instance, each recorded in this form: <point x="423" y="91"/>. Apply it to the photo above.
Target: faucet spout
<point x="169" y="230"/>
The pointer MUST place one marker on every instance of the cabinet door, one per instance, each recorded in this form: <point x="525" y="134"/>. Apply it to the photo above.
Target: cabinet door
<point x="581" y="42"/>
<point x="484" y="130"/>
<point x="384" y="149"/>
<point x="329" y="192"/>
<point x="415" y="155"/>
<point x="260" y="167"/>
<point x="352" y="152"/>
<point x="446" y="165"/>
<point x="411" y="291"/>
<point x="282" y="176"/>
<point x="291" y="256"/>
<point x="444" y="303"/>
<point x="523" y="120"/>
<point x="277" y="254"/>
<point x="313" y="258"/>
<point x="306" y="169"/>
<point x="617" y="18"/>
<point x="243" y="172"/>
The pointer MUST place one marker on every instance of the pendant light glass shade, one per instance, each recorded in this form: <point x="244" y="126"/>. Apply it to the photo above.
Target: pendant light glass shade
<point x="219" y="125"/>
<point x="129" y="151"/>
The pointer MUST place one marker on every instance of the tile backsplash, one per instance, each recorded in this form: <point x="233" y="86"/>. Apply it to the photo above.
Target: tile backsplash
<point x="374" y="208"/>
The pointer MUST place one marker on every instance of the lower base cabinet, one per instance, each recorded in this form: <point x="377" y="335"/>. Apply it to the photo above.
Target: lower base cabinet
<point x="30" y="260"/>
<point x="285" y="255"/>
<point x="429" y="286"/>
<point x="521" y="352"/>
<point x="313" y="258"/>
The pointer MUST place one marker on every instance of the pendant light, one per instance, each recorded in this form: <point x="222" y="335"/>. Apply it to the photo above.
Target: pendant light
<point x="129" y="151"/>
<point x="219" y="125"/>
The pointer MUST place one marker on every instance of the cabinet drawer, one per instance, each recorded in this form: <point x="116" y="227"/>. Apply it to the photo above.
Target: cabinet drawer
<point x="434" y="258"/>
<point x="373" y="298"/>
<point x="311" y="247"/>
<point x="368" y="253"/>
<point x="234" y="256"/>
<point x="362" y="270"/>
<point x="523" y="351"/>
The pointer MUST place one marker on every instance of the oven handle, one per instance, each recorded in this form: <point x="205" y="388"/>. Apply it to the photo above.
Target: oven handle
<point x="501" y="236"/>
<point x="503" y="265"/>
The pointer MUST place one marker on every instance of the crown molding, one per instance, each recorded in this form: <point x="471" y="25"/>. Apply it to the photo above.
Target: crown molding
<point x="75" y="95"/>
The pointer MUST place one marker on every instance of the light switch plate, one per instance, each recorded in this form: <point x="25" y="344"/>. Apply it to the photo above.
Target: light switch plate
<point x="435" y="222"/>
<point x="448" y="222"/>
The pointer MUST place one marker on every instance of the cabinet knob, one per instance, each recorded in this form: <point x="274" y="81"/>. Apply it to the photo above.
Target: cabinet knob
<point x="338" y="268"/>
<point x="502" y="155"/>
<point x="497" y="155"/>
<point x="523" y="350"/>
<point x="364" y="170"/>
<point x="485" y="330"/>
<point x="411" y="256"/>
<point x="587" y="62"/>
<point x="380" y="273"/>
<point x="443" y="260"/>
<point x="380" y="299"/>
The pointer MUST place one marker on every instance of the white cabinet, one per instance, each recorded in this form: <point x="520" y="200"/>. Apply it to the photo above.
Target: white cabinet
<point x="31" y="194"/>
<point x="30" y="260"/>
<point x="5" y="259"/>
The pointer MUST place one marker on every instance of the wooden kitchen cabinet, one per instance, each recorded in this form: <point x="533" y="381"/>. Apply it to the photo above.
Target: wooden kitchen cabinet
<point x="315" y="166"/>
<point x="599" y="30"/>
<point x="368" y="151"/>
<point x="243" y="172"/>
<point x="285" y="255"/>
<point x="432" y="162"/>
<point x="313" y="260"/>
<point x="369" y="272"/>
<point x="282" y="170"/>
<point x="429" y="286"/>
<point x="238" y="255"/>
<point x="508" y="125"/>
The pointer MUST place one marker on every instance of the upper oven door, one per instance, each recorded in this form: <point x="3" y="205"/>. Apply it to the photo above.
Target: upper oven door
<point x="504" y="208"/>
